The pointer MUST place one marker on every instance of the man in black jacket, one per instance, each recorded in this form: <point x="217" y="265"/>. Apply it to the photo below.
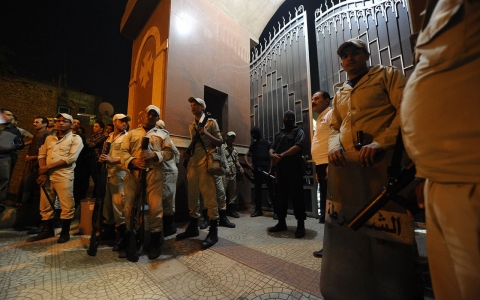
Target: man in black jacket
<point x="260" y="163"/>
<point x="285" y="153"/>
<point x="10" y="141"/>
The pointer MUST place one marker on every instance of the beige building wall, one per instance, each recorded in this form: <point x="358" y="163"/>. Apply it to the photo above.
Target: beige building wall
<point x="182" y="47"/>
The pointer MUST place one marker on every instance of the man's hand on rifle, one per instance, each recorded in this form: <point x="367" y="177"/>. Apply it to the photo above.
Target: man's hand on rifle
<point x="42" y="179"/>
<point x="366" y="155"/>
<point x="42" y="170"/>
<point x="105" y="158"/>
<point x="148" y="155"/>
<point x="139" y="163"/>
<point x="336" y="158"/>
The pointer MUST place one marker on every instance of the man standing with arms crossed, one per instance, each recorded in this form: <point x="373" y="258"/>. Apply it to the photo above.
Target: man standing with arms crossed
<point x="133" y="157"/>
<point x="200" y="181"/>
<point x="320" y="105"/>
<point x="371" y="262"/>
<point x="56" y="159"/>
<point x="10" y="141"/>
<point x="113" y="202"/>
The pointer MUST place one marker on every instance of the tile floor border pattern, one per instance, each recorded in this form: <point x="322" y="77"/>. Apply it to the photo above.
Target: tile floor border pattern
<point x="298" y="276"/>
<point x="229" y="270"/>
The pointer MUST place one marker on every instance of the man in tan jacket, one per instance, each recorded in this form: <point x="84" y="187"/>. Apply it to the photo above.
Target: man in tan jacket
<point x="372" y="262"/>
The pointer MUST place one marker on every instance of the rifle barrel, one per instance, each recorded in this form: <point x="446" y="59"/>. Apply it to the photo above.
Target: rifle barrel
<point x="369" y="210"/>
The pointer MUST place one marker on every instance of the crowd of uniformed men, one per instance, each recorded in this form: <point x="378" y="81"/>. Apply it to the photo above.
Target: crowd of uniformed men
<point x="353" y="144"/>
<point x="61" y="160"/>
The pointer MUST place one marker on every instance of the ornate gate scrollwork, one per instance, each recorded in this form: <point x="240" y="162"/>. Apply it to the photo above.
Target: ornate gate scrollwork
<point x="383" y="24"/>
<point x="280" y="81"/>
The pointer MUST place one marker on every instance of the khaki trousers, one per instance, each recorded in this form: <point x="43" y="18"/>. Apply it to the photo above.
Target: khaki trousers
<point x="154" y="195"/>
<point x="220" y="190"/>
<point x="230" y="186"/>
<point x="201" y="182"/>
<point x="64" y="191"/>
<point x="453" y="248"/>
<point x="114" y="200"/>
<point x="169" y="191"/>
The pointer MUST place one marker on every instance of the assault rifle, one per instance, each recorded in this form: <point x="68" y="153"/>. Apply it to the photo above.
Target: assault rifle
<point x="191" y="148"/>
<point x="268" y="175"/>
<point x="98" y="207"/>
<point x="50" y="201"/>
<point x="137" y="213"/>
<point x="405" y="177"/>
<point x="398" y="179"/>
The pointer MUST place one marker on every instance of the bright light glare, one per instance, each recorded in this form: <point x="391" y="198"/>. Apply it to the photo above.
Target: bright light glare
<point x="184" y="24"/>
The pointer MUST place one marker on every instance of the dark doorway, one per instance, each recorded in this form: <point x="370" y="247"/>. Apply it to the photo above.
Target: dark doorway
<point x="216" y="102"/>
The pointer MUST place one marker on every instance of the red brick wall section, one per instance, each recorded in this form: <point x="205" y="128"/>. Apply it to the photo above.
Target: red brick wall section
<point x="28" y="99"/>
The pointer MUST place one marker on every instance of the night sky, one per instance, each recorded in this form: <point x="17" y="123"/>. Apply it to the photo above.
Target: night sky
<point x="83" y="35"/>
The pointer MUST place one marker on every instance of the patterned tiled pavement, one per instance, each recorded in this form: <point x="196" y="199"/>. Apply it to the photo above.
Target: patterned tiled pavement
<point x="246" y="263"/>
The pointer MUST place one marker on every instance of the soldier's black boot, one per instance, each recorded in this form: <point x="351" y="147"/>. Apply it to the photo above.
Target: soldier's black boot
<point x="231" y="211"/>
<point x="132" y="252"/>
<point x="300" y="232"/>
<point x="212" y="236"/>
<point x="258" y="209"/>
<point x="169" y="227"/>
<point x="206" y="219"/>
<point x="223" y="221"/>
<point x="191" y="231"/>
<point x="156" y="242"/>
<point x="57" y="223"/>
<point x="36" y="230"/>
<point x="121" y="244"/>
<point x="65" y="233"/>
<point x="45" y="233"/>
<point x="281" y="226"/>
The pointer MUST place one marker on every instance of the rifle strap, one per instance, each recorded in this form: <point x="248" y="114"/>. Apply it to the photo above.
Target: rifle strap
<point x="231" y="153"/>
<point x="201" y="142"/>
<point x="203" y="145"/>
<point x="195" y="140"/>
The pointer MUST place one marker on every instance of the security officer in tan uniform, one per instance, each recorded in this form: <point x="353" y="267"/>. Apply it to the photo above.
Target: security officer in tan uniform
<point x="56" y="159"/>
<point x="200" y="181"/>
<point x="372" y="262"/>
<point x="159" y="150"/>
<point x="113" y="202"/>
